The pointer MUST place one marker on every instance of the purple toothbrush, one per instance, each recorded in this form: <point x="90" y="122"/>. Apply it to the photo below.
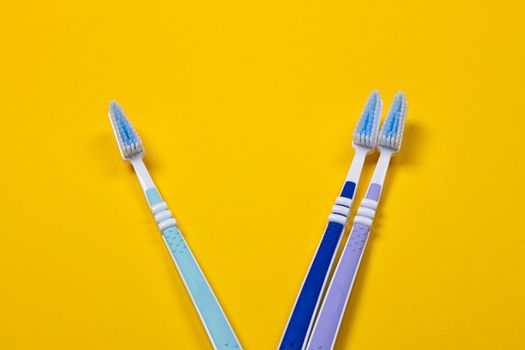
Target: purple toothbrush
<point x="331" y="313"/>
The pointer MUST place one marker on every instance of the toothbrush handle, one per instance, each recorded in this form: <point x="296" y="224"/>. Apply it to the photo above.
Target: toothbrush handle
<point x="329" y="319"/>
<point x="215" y="322"/>
<point x="331" y="314"/>
<point x="308" y="300"/>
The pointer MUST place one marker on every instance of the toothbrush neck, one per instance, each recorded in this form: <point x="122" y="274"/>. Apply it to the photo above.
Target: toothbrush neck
<point x="354" y="173"/>
<point x="146" y="182"/>
<point x="381" y="168"/>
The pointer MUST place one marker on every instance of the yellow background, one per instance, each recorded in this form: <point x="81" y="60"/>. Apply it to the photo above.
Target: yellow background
<point x="246" y="110"/>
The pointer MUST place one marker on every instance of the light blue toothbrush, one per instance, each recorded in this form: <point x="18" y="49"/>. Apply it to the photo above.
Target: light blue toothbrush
<point x="303" y="313"/>
<point x="330" y="316"/>
<point x="213" y="318"/>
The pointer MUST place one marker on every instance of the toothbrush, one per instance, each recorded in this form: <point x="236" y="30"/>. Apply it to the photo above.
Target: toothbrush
<point x="330" y="316"/>
<point x="307" y="302"/>
<point x="213" y="318"/>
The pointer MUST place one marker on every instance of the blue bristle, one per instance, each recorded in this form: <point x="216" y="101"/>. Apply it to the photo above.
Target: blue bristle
<point x="127" y="138"/>
<point x="369" y="117"/>
<point x="392" y="120"/>
<point x="366" y="130"/>
<point x="392" y="129"/>
<point x="124" y="128"/>
<point x="367" y="123"/>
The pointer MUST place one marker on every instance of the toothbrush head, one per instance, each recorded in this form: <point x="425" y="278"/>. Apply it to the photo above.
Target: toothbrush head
<point x="129" y="142"/>
<point x="365" y="133"/>
<point x="392" y="130"/>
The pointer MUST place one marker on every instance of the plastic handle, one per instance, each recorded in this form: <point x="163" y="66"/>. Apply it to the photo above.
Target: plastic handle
<point x="305" y="308"/>
<point x="215" y="322"/>
<point x="331" y="314"/>
<point x="308" y="299"/>
<point x="210" y="312"/>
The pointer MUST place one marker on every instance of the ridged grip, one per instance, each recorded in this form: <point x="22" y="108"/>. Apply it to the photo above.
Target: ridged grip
<point x="159" y="208"/>
<point x="163" y="216"/>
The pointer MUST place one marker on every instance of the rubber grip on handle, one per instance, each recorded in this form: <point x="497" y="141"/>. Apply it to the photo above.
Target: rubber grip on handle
<point x="308" y="299"/>
<point x="212" y="316"/>
<point x="331" y="313"/>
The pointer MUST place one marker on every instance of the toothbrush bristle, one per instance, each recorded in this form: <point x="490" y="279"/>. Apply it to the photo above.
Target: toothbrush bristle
<point x="365" y="133"/>
<point x="129" y="142"/>
<point x="392" y="129"/>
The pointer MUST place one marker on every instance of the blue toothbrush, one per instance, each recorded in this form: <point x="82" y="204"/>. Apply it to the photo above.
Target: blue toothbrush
<point x="303" y="314"/>
<point x="213" y="318"/>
